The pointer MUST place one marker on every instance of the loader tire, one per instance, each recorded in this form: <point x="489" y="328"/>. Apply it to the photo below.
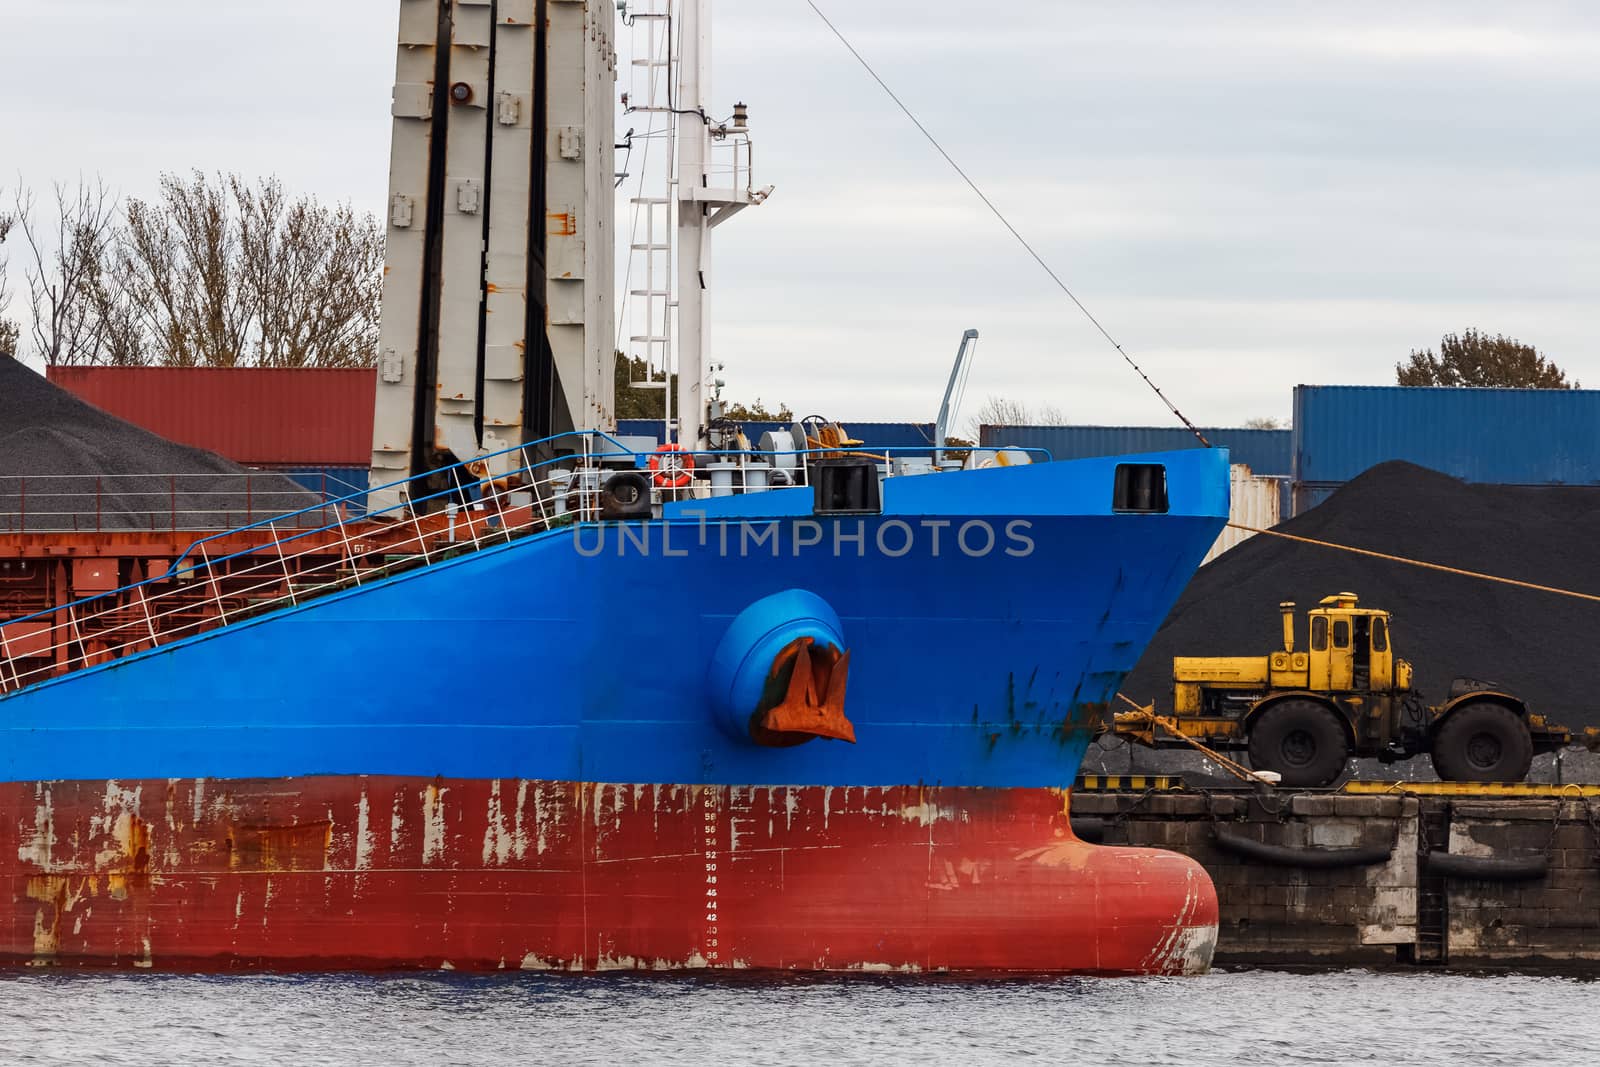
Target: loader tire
<point x="1483" y="742"/>
<point x="1303" y="741"/>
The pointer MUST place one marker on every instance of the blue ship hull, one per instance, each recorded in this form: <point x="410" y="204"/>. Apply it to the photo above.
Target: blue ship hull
<point x="979" y="658"/>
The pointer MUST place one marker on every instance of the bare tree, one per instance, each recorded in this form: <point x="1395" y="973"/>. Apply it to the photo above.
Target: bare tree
<point x="227" y="273"/>
<point x="177" y="258"/>
<point x="315" y="276"/>
<point x="211" y="272"/>
<point x="1264" y="422"/>
<point x="10" y="334"/>
<point x="1003" y="411"/>
<point x="69" y="289"/>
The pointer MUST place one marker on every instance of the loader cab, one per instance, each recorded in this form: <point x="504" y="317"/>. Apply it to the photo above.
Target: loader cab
<point x="1350" y="647"/>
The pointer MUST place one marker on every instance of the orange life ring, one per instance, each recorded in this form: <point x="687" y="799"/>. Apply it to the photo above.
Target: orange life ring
<point x="672" y="466"/>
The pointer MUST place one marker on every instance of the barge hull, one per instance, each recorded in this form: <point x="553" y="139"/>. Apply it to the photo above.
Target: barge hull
<point x="393" y="872"/>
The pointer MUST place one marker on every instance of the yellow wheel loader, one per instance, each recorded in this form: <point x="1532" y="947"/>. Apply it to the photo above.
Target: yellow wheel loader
<point x="1304" y="714"/>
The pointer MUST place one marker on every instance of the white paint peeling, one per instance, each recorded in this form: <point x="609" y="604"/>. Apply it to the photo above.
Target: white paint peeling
<point x="887" y="968"/>
<point x="1187" y="946"/>
<point x="363" y="832"/>
<point x="119" y="800"/>
<point x="45" y="941"/>
<point x="149" y="959"/>
<point x="519" y="837"/>
<point x="121" y="832"/>
<point x="37" y="846"/>
<point x="539" y="817"/>
<point x="497" y="838"/>
<point x="396" y="824"/>
<point x="943" y="877"/>
<point x="434" y="830"/>
<point x="118" y="810"/>
<point x="266" y="904"/>
<point x="1194" y="949"/>
<point x="926" y="813"/>
<point x="172" y="857"/>
<point x="199" y="800"/>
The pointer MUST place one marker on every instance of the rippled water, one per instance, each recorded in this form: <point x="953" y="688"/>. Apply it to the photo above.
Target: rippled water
<point x="1253" y="1017"/>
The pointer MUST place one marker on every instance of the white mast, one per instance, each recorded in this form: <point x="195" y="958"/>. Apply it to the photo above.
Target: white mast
<point x="694" y="250"/>
<point x="705" y="200"/>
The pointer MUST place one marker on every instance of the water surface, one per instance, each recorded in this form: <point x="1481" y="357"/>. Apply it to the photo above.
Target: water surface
<point x="1252" y="1017"/>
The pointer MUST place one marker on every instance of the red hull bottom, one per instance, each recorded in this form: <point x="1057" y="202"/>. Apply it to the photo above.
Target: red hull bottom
<point x="329" y="873"/>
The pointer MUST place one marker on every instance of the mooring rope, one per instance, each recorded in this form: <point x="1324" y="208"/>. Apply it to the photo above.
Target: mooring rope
<point x="1148" y="716"/>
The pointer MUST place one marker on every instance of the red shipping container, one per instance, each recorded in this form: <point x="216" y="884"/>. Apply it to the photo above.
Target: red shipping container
<point x="257" y="416"/>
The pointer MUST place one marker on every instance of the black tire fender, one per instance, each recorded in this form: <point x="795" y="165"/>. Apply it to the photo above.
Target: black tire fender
<point x="1486" y="868"/>
<point x="625" y="495"/>
<point x="1309" y="858"/>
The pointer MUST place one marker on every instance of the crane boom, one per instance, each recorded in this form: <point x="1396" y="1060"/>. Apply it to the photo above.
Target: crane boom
<point x="941" y="425"/>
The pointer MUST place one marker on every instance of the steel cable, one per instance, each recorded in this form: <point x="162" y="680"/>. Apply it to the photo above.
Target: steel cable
<point x="1023" y="241"/>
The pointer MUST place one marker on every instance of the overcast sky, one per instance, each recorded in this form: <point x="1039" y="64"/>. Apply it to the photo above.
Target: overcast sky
<point x="1248" y="195"/>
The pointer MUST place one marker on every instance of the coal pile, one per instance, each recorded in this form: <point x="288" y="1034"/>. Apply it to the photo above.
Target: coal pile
<point x="1538" y="645"/>
<point x="65" y="465"/>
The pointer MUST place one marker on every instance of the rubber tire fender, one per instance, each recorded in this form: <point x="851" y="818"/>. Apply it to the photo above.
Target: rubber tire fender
<point x="1486" y="868"/>
<point x="1316" y="731"/>
<point x="1310" y="858"/>
<point x="625" y="495"/>
<point x="1481" y="720"/>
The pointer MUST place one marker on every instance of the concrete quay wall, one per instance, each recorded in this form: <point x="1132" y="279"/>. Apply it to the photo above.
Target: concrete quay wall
<point x="1431" y="880"/>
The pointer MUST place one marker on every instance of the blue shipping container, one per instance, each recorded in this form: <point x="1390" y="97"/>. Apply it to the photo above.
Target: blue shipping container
<point x="1267" y="452"/>
<point x="1493" y="436"/>
<point x="331" y="483"/>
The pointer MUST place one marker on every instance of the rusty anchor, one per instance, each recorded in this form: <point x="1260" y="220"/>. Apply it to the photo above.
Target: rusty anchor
<point x="809" y="702"/>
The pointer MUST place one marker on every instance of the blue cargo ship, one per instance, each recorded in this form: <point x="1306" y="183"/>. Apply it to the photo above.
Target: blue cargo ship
<point x="860" y="722"/>
<point x="560" y="700"/>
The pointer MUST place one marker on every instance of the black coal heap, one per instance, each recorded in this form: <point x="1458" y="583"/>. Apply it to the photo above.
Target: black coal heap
<point x="1538" y="645"/>
<point x="66" y="465"/>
